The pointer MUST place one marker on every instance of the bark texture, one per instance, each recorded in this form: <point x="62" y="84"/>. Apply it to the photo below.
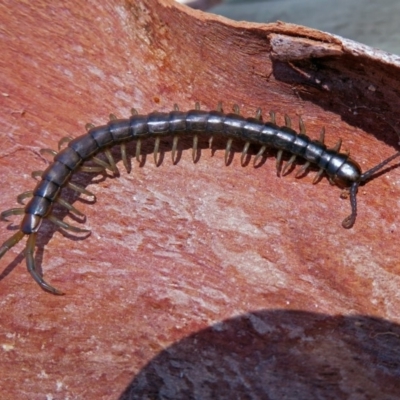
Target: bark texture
<point x="199" y="280"/>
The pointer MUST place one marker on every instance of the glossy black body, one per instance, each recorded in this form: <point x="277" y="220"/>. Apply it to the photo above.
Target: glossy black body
<point x="337" y="165"/>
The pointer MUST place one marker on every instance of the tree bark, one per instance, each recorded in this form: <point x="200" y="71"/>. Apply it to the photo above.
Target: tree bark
<point x="198" y="278"/>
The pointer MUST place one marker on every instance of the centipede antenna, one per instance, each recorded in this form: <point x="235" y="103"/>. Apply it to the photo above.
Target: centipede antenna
<point x="279" y="161"/>
<point x="259" y="154"/>
<point x="124" y="157"/>
<point x="11" y="242"/>
<point x="80" y="189"/>
<point x="367" y="174"/>
<point x="272" y="115"/>
<point x="348" y="222"/>
<point x="12" y="211"/>
<point x="69" y="206"/>
<point x="244" y="152"/>
<point x="194" y="148"/>
<point x="228" y="149"/>
<point x="65" y="139"/>
<point x="156" y="147"/>
<point x="291" y="161"/>
<point x="138" y="147"/>
<point x="89" y="126"/>
<point x="174" y="147"/>
<point x="66" y="226"/>
<point x="30" y="263"/>
<point x="302" y="126"/>
<point x="288" y="121"/>
<point x="48" y="151"/>
<point x="21" y="197"/>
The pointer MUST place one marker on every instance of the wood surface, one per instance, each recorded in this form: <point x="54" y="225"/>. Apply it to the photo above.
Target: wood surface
<point x="200" y="280"/>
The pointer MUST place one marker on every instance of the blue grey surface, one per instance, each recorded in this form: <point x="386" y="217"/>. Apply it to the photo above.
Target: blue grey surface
<point x="375" y="23"/>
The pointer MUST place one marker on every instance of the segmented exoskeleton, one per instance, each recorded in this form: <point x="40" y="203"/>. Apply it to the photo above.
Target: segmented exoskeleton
<point x="339" y="167"/>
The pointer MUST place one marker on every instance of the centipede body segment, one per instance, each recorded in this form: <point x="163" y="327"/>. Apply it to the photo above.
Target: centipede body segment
<point x="339" y="167"/>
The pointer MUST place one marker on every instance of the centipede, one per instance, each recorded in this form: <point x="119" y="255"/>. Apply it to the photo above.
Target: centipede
<point x="81" y="154"/>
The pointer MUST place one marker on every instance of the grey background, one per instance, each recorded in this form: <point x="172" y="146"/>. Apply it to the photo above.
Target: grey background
<point x="372" y="22"/>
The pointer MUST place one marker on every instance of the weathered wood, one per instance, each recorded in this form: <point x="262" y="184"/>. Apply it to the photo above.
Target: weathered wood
<point x="177" y="248"/>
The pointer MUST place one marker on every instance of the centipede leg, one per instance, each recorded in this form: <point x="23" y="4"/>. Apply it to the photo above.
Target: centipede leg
<point x="303" y="169"/>
<point x="156" y="149"/>
<point x="302" y="127"/>
<point x="125" y="158"/>
<point x="322" y="136"/>
<point x="259" y="154"/>
<point x="80" y="189"/>
<point x="279" y="156"/>
<point x="36" y="174"/>
<point x="138" y="148"/>
<point x="174" y="148"/>
<point x="65" y="139"/>
<point x="30" y="263"/>
<point x="228" y="150"/>
<point x="66" y="226"/>
<point x="48" y="151"/>
<point x="25" y="195"/>
<point x="288" y="121"/>
<point x="11" y="242"/>
<point x="111" y="161"/>
<point x="317" y="176"/>
<point x="86" y="168"/>
<point x="291" y="161"/>
<point x="102" y="163"/>
<point x="69" y="206"/>
<point x="194" y="148"/>
<point x="244" y="152"/>
<point x="12" y="211"/>
<point x="337" y="146"/>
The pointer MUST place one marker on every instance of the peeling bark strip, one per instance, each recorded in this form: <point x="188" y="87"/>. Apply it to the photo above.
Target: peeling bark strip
<point x="287" y="48"/>
<point x="339" y="167"/>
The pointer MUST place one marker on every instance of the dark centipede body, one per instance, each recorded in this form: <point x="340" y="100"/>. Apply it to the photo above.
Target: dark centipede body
<point x="339" y="167"/>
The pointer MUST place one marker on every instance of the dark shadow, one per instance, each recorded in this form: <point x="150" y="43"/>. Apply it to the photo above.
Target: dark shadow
<point x="346" y="87"/>
<point x="278" y="354"/>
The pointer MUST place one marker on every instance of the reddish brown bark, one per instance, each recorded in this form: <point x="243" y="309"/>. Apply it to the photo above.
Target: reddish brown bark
<point x="177" y="248"/>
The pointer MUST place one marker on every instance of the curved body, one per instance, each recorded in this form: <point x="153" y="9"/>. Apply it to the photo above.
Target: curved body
<point x="339" y="167"/>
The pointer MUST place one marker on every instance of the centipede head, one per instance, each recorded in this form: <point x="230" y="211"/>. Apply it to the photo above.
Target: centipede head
<point x="349" y="221"/>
